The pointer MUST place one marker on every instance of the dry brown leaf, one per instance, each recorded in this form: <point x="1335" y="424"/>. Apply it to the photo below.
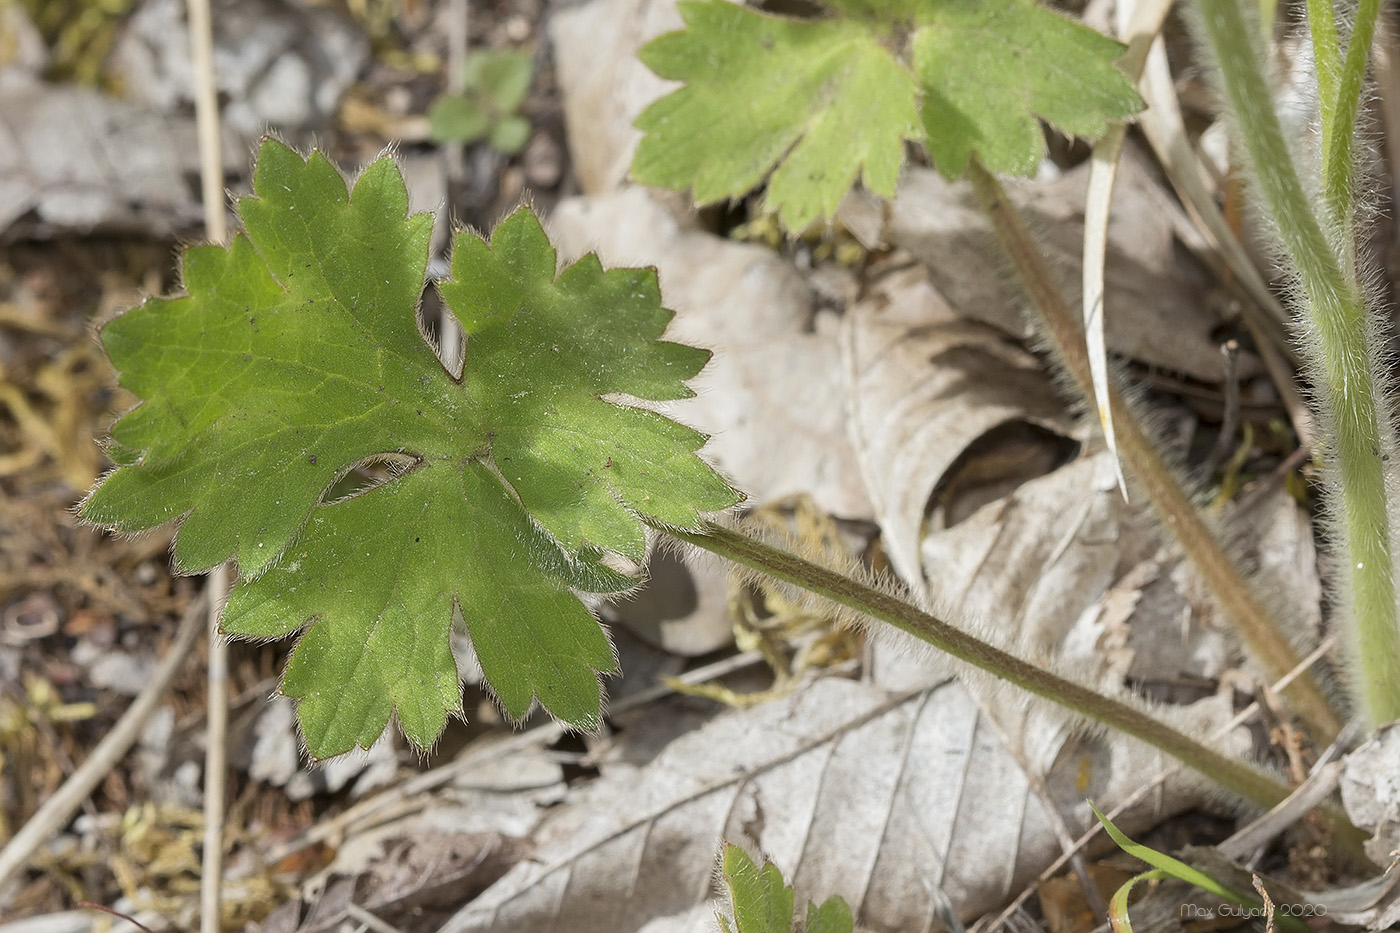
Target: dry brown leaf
<point x="960" y="436"/>
<point x="1160" y="315"/>
<point x="891" y="800"/>
<point x="411" y="886"/>
<point x="970" y="462"/>
<point x="604" y="85"/>
<point x="1370" y="788"/>
<point x="925" y="386"/>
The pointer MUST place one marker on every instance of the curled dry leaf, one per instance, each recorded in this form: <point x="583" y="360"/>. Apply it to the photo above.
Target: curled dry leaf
<point x="964" y="445"/>
<point x="1159" y="313"/>
<point x="986" y="509"/>
<point x="947" y="418"/>
<point x="925" y="385"/>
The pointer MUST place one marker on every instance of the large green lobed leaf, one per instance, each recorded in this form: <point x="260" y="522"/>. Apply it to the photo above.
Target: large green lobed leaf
<point x="809" y="106"/>
<point x="295" y="356"/>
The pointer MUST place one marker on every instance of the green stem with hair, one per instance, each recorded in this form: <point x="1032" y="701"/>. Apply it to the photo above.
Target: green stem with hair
<point x="1243" y="779"/>
<point x="1339" y="110"/>
<point x="1327" y="53"/>
<point x="1344" y="364"/>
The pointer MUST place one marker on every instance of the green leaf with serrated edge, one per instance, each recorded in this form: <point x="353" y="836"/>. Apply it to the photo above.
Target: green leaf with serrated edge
<point x="579" y="464"/>
<point x="295" y="355"/>
<point x="814" y="103"/>
<point x="807" y="105"/>
<point x="762" y="903"/>
<point x="380" y="572"/>
<point x="833" y="916"/>
<point x="987" y="70"/>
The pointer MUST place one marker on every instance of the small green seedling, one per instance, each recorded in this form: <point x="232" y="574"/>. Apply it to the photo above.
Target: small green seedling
<point x="494" y="87"/>
<point x="760" y="901"/>
<point x="1163" y="867"/>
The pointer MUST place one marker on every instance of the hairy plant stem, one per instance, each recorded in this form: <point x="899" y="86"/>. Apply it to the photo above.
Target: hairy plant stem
<point x="1258" y="629"/>
<point x="1339" y="111"/>
<point x="1327" y="54"/>
<point x="1248" y="782"/>
<point x="1343" y="361"/>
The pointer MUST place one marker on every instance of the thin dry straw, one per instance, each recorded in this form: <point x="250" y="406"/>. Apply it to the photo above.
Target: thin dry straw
<point x="211" y="174"/>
